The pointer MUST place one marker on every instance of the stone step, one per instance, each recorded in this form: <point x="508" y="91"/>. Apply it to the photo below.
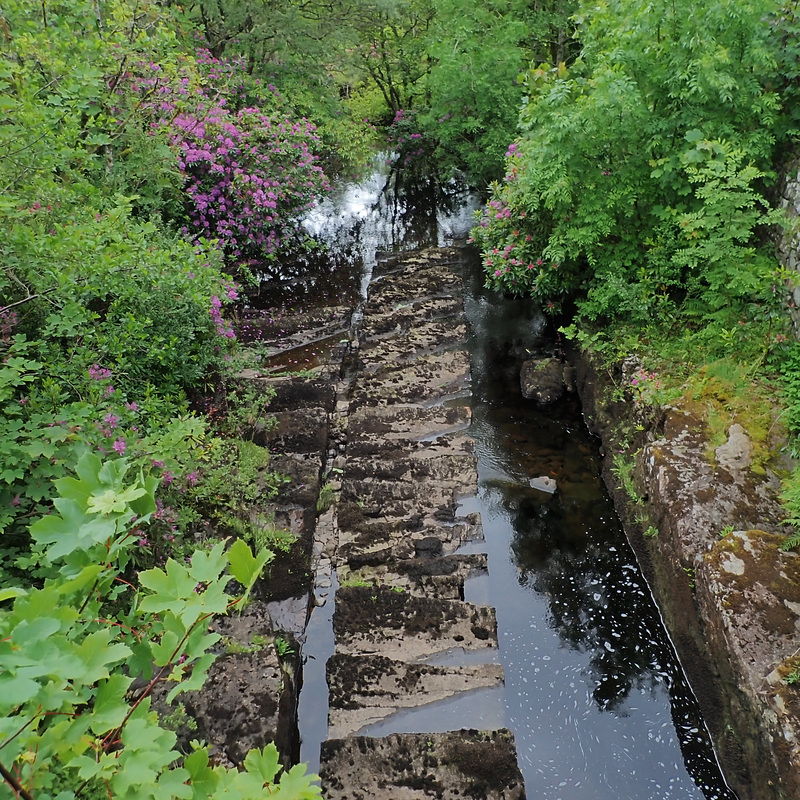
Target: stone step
<point x="376" y="539"/>
<point x="409" y="653"/>
<point x="428" y="381"/>
<point x="422" y="576"/>
<point x="382" y="621"/>
<point x="459" y="765"/>
<point x="402" y="423"/>
<point x="365" y="690"/>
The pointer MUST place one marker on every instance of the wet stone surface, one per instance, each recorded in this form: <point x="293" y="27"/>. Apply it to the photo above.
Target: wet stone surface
<point x="406" y="466"/>
<point x="461" y="765"/>
<point x="730" y="595"/>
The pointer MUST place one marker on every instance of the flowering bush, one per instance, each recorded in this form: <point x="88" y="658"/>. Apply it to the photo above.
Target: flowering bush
<point x="248" y="170"/>
<point x="409" y="148"/>
<point x="247" y="177"/>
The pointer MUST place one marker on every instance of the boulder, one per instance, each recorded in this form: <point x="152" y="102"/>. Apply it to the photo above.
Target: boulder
<point x="545" y="380"/>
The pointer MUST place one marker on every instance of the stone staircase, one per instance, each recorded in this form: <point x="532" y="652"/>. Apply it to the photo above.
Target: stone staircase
<point x="415" y="686"/>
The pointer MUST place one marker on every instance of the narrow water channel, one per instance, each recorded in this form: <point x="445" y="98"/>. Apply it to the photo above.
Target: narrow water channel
<point x="594" y="693"/>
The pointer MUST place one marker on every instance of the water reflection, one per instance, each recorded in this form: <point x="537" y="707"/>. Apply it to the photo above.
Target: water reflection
<point x="597" y="700"/>
<point x="384" y="212"/>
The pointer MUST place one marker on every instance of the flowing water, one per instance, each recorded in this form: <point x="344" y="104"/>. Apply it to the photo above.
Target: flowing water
<point x="594" y="692"/>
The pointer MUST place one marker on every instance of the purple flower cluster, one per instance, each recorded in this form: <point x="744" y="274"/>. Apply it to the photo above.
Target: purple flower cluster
<point x="407" y="144"/>
<point x="221" y="325"/>
<point x="247" y="174"/>
<point x="247" y="177"/>
<point x="98" y="373"/>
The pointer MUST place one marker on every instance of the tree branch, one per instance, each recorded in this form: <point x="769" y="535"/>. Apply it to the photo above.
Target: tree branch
<point x="15" y="785"/>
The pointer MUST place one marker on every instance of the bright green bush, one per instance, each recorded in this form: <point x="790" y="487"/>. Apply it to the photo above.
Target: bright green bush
<point x="72" y="721"/>
<point x="637" y="185"/>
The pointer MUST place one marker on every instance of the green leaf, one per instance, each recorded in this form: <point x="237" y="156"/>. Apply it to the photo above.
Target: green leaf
<point x="264" y="764"/>
<point x="29" y="631"/>
<point x="110" y="705"/>
<point x="244" y="566"/>
<point x="112" y="501"/>
<point x="19" y="688"/>
<point x="196" y="679"/>
<point x="296" y="784"/>
<point x="167" y="587"/>
<point x="11" y="592"/>
<point x="207" y="567"/>
<point x="204" y="779"/>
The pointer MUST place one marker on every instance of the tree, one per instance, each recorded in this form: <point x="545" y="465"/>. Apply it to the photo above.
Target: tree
<point x="665" y="114"/>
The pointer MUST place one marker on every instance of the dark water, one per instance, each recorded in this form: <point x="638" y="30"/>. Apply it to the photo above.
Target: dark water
<point x="596" y="698"/>
<point x="594" y="693"/>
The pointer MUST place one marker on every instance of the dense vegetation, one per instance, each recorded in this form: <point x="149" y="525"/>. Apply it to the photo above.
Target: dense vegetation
<point x="151" y="156"/>
<point x="639" y="199"/>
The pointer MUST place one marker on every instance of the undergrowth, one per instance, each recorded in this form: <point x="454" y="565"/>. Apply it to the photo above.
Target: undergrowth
<point x="753" y="381"/>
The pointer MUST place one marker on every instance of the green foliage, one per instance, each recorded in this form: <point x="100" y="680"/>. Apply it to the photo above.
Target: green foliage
<point x="623" y="470"/>
<point x="636" y="187"/>
<point x="283" y="647"/>
<point x="476" y="54"/>
<point x="109" y="289"/>
<point x="793" y="678"/>
<point x="325" y="497"/>
<point x="71" y="650"/>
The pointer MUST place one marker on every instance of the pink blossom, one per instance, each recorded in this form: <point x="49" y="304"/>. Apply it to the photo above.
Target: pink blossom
<point x="98" y="373"/>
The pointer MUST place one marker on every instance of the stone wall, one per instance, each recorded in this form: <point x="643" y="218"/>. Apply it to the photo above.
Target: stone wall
<point x="729" y="596"/>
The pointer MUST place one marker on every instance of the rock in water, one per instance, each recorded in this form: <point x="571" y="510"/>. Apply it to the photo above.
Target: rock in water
<point x="544" y="483"/>
<point x="545" y="380"/>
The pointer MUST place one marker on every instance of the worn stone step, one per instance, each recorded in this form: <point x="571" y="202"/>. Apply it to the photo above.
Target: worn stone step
<point x="365" y="690"/>
<point x="381" y="621"/>
<point x="429" y="380"/>
<point x="411" y="450"/>
<point x="286" y="328"/>
<point x="401" y="423"/>
<point x="424" y="576"/>
<point x="415" y="321"/>
<point x="460" y="765"/>
<point x="403" y="345"/>
<point x="378" y="538"/>
<point x="294" y="392"/>
<point x="431" y="462"/>
<point x="302" y="430"/>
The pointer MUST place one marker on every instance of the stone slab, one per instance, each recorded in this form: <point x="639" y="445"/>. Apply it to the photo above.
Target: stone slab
<point x="429" y="380"/>
<point x="365" y="690"/>
<point x="423" y="575"/>
<point x="462" y="765"/>
<point x="376" y="539"/>
<point x="398" y="625"/>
